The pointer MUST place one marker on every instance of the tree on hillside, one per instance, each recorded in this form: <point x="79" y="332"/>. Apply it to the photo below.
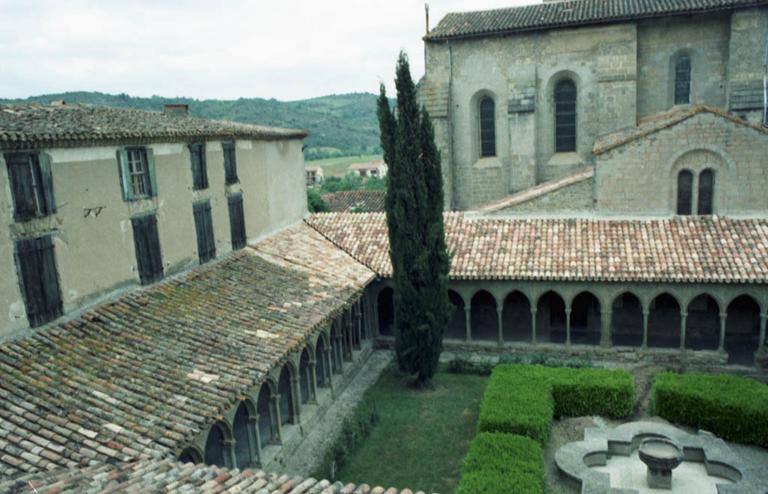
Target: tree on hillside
<point x="414" y="207"/>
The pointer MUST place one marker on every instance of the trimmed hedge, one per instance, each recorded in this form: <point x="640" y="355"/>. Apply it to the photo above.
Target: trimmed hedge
<point x="522" y="399"/>
<point x="733" y="408"/>
<point x="502" y="464"/>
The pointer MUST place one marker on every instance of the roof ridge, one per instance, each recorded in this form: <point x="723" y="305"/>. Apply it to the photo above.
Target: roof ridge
<point x="339" y="246"/>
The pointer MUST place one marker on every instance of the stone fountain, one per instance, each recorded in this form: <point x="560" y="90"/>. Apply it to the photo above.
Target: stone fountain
<point x="661" y="456"/>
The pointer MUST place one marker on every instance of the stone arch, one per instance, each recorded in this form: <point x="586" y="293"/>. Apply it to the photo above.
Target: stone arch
<point x="702" y="324"/>
<point x="742" y="330"/>
<point x="265" y="410"/>
<point x="517" y="321"/>
<point x="305" y="376"/>
<point x="457" y="323"/>
<point x="287" y="399"/>
<point x="190" y="454"/>
<point x="218" y="445"/>
<point x="242" y="426"/>
<point x="322" y="370"/>
<point x="386" y="309"/>
<point x="585" y="319"/>
<point x="484" y="318"/>
<point x="551" y="319"/>
<point x="627" y="320"/>
<point x="664" y="321"/>
<point x="697" y="160"/>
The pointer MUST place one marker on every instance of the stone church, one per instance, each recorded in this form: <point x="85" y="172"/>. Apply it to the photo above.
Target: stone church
<point x="602" y="107"/>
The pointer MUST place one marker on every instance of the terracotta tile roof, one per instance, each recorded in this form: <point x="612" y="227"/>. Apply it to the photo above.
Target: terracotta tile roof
<point x="371" y="165"/>
<point x="679" y="250"/>
<point x="169" y="476"/>
<point x="571" y="13"/>
<point x="664" y="120"/>
<point x="371" y="201"/>
<point x="142" y="375"/>
<point x="35" y="125"/>
<point x="540" y="190"/>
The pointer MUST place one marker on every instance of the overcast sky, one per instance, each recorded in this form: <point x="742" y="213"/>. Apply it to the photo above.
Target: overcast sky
<point x="284" y="49"/>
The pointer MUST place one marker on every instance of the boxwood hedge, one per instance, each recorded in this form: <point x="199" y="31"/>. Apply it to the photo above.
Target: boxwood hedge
<point x="522" y="399"/>
<point x="734" y="408"/>
<point x="498" y="463"/>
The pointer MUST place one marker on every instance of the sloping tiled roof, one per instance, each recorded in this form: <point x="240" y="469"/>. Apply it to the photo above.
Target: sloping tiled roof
<point x="36" y="125"/>
<point x="142" y="375"/>
<point x="539" y="190"/>
<point x="678" y="250"/>
<point x="366" y="200"/>
<point x="570" y="13"/>
<point x="170" y="477"/>
<point x="664" y="120"/>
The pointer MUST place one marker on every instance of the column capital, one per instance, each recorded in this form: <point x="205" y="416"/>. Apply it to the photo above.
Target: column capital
<point x="683" y="313"/>
<point x="499" y="309"/>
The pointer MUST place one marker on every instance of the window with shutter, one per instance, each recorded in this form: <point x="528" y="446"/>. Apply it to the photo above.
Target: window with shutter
<point x="199" y="167"/>
<point x="706" y="191"/>
<point x="683" y="80"/>
<point x="565" y="116"/>
<point x="684" y="192"/>
<point x="237" y="221"/>
<point x="137" y="173"/>
<point x="39" y="279"/>
<point x="31" y="180"/>
<point x="206" y="245"/>
<point x="230" y="163"/>
<point x="147" y="245"/>
<point x="487" y="128"/>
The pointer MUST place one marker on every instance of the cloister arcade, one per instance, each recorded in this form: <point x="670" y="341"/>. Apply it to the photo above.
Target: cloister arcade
<point x="730" y="319"/>
<point x="255" y="430"/>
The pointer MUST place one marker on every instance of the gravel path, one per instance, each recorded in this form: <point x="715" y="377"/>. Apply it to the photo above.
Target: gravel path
<point x="307" y="459"/>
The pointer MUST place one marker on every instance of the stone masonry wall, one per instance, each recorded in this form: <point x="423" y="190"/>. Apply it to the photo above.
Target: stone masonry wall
<point x="641" y="177"/>
<point x="569" y="199"/>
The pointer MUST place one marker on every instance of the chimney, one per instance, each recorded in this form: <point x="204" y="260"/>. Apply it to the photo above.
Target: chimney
<point x="176" y="109"/>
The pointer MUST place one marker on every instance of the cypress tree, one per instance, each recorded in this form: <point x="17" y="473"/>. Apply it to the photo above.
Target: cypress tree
<point x="414" y="207"/>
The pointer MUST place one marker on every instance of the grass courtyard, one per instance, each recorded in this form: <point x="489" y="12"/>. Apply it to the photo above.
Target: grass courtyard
<point x="422" y="436"/>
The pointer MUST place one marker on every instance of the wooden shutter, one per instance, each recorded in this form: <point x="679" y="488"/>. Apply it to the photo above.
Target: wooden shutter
<point x="20" y="178"/>
<point x="237" y="221"/>
<point x="206" y="245"/>
<point x="199" y="169"/>
<point x="38" y="279"/>
<point x="46" y="176"/>
<point x="147" y="245"/>
<point x="124" y="174"/>
<point x="151" y="172"/>
<point x="230" y="163"/>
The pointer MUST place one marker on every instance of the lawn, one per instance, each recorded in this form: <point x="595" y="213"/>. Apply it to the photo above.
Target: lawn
<point x="422" y="436"/>
<point x="337" y="167"/>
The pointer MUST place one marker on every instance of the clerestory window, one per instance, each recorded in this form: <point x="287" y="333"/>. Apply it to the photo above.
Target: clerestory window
<point x="565" y="116"/>
<point x="487" y="127"/>
<point x="683" y="80"/>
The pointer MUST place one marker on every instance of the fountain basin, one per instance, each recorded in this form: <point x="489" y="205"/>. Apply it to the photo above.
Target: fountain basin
<point x="661" y="456"/>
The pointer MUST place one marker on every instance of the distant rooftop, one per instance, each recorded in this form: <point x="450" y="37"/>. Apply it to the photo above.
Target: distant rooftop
<point x="370" y="165"/>
<point x="571" y="13"/>
<point x="60" y="124"/>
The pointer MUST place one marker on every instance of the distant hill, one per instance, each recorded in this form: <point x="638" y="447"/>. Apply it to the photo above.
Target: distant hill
<point x="338" y="124"/>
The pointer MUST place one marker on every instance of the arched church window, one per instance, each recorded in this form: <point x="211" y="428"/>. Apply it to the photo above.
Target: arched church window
<point x="684" y="192"/>
<point x="487" y="127"/>
<point x="683" y="80"/>
<point x="706" y="191"/>
<point x="565" y="116"/>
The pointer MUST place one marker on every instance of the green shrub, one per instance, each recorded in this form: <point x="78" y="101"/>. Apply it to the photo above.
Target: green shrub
<point x="522" y="399"/>
<point x="734" y="408"/>
<point x="498" y="463"/>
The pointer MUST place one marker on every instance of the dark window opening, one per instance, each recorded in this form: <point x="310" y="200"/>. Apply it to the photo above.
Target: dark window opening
<point x="684" y="192"/>
<point x="39" y="279"/>
<point x="237" y="221"/>
<point x="565" y="116"/>
<point x="199" y="167"/>
<point x="31" y="183"/>
<point x="706" y="191"/>
<point x="147" y="244"/>
<point x="230" y="163"/>
<point x="206" y="244"/>
<point x="487" y="128"/>
<point x="683" y="80"/>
